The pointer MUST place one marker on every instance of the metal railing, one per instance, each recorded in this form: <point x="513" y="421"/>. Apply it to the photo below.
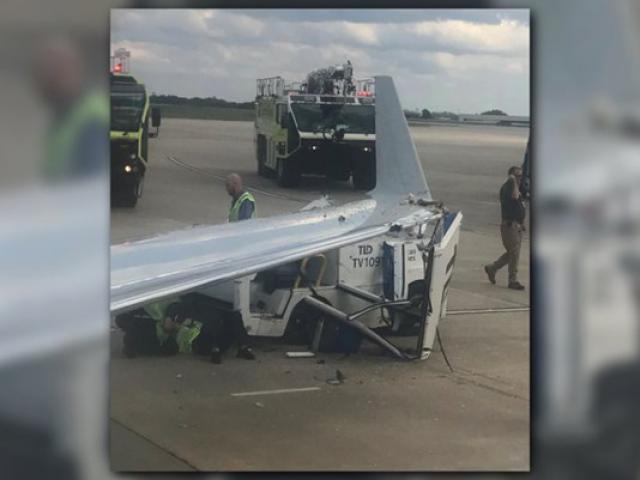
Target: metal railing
<point x="270" y="87"/>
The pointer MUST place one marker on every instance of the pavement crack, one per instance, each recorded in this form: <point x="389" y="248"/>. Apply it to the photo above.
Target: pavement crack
<point x="461" y="378"/>
<point x="482" y="375"/>
<point x="155" y="444"/>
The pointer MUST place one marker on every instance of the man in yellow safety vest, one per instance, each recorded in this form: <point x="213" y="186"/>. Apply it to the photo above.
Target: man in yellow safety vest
<point x="243" y="205"/>
<point x="76" y="144"/>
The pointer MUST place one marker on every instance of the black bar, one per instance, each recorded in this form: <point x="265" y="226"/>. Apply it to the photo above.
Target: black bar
<point x="344" y="318"/>
<point x="375" y="306"/>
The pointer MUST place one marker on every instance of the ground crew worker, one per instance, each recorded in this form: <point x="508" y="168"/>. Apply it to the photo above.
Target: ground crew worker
<point x="513" y="214"/>
<point x="181" y="325"/>
<point x="147" y="330"/>
<point x="75" y="145"/>
<point x="220" y="330"/>
<point x="243" y="205"/>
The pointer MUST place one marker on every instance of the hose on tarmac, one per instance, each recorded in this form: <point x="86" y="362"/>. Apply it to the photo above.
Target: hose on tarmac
<point x="444" y="353"/>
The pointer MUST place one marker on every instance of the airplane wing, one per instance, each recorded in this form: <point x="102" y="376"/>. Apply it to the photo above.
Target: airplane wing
<point x="182" y="261"/>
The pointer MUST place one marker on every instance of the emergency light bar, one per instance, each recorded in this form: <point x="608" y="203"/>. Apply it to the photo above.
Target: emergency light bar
<point x="120" y="61"/>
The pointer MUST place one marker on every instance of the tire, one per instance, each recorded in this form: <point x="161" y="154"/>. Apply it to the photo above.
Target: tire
<point x="302" y="325"/>
<point x="261" y="156"/>
<point x="338" y="172"/>
<point x="132" y="193"/>
<point x="288" y="173"/>
<point x="364" y="174"/>
<point x="410" y="318"/>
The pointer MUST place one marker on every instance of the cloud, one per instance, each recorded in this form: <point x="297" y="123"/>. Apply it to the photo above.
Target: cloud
<point x="242" y="25"/>
<point x="464" y="65"/>
<point x="221" y="52"/>
<point x="386" y="16"/>
<point x="362" y="32"/>
<point x="506" y="36"/>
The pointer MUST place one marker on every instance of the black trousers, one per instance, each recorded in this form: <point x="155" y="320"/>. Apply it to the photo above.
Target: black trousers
<point x="140" y="337"/>
<point x="219" y="329"/>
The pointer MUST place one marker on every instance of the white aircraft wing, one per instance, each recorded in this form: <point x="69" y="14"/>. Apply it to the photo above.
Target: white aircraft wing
<point x="182" y="261"/>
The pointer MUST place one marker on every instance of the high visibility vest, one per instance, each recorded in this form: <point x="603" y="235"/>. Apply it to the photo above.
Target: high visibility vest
<point x="235" y="208"/>
<point x="186" y="335"/>
<point x="157" y="311"/>
<point x="61" y="139"/>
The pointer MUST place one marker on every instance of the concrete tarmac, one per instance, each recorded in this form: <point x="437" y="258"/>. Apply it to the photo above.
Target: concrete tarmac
<point x="181" y="413"/>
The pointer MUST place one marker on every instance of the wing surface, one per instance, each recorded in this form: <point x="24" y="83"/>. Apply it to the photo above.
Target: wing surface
<point x="398" y="168"/>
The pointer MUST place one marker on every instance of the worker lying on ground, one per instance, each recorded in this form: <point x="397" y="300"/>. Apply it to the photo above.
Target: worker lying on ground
<point x="182" y="326"/>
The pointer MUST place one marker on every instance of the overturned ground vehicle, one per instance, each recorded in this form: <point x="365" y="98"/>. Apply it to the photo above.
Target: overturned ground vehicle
<point x="394" y="285"/>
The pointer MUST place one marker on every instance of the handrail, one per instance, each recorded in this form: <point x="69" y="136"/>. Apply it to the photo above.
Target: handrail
<point x="303" y="268"/>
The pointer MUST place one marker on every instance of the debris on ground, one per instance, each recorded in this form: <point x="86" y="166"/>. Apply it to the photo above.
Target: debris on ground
<point x="259" y="405"/>
<point x="340" y="376"/>
<point x="183" y="425"/>
<point x="300" y="354"/>
<point x="179" y="375"/>
<point x="320" y="362"/>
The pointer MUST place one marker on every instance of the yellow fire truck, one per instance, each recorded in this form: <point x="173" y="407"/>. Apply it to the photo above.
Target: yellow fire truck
<point x="325" y="125"/>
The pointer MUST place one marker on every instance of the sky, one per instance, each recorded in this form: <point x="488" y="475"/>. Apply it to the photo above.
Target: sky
<point x="464" y="61"/>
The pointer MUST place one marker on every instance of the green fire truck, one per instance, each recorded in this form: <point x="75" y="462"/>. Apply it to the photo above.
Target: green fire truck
<point x="129" y="135"/>
<point x="324" y="126"/>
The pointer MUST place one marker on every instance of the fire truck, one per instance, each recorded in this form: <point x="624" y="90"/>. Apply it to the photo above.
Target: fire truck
<point x="129" y="132"/>
<point x="325" y="125"/>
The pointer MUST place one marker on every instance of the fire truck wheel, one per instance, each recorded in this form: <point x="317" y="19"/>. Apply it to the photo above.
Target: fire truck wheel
<point x="338" y="171"/>
<point x="288" y="173"/>
<point x="364" y="174"/>
<point x="261" y="154"/>
<point x="131" y="193"/>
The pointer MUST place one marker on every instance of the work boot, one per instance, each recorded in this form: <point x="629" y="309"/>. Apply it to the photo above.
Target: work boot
<point x="490" y="273"/>
<point x="216" y="356"/>
<point x="516" y="285"/>
<point x="246" y="353"/>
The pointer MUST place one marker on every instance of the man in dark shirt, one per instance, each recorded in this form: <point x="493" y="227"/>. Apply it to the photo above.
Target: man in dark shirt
<point x="513" y="213"/>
